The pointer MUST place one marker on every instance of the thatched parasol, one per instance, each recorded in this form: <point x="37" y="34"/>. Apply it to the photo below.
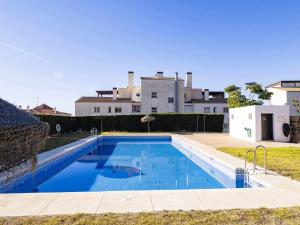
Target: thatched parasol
<point x="21" y="137"/>
<point x="147" y="119"/>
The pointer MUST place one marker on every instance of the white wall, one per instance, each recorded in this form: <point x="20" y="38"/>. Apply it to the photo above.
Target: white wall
<point x="124" y="92"/>
<point x="164" y="89"/>
<point x="180" y="96"/>
<point x="188" y="94"/>
<point x="279" y="97"/>
<point x="135" y="91"/>
<point x="284" y="97"/>
<point x="196" y="93"/>
<point x="240" y="122"/>
<point x="87" y="109"/>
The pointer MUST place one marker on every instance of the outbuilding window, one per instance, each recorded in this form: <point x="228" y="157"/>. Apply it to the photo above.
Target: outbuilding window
<point x="154" y="94"/>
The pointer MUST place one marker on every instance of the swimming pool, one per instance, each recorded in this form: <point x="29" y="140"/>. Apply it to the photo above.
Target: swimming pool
<point x="129" y="163"/>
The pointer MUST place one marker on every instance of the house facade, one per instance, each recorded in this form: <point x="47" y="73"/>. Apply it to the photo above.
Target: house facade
<point x="156" y="94"/>
<point x="284" y="92"/>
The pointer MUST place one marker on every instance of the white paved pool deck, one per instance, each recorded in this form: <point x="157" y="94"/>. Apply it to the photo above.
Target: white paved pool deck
<point x="280" y="192"/>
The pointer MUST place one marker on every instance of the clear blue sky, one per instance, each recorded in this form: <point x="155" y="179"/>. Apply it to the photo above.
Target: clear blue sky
<point x="60" y="50"/>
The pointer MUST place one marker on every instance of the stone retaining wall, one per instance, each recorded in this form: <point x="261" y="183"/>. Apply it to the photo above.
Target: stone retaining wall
<point x="295" y="124"/>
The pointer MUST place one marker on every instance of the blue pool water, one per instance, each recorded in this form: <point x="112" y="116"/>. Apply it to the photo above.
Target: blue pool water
<point x="123" y="164"/>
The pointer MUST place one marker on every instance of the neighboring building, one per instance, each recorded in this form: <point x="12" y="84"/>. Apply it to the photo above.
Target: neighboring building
<point x="158" y="94"/>
<point x="284" y="92"/>
<point x="46" y="110"/>
<point x="260" y="122"/>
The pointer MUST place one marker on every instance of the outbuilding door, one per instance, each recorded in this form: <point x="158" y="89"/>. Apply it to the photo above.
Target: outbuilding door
<point x="267" y="126"/>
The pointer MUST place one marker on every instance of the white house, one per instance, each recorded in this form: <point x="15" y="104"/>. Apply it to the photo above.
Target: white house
<point x="261" y="122"/>
<point x="284" y="92"/>
<point x="157" y="94"/>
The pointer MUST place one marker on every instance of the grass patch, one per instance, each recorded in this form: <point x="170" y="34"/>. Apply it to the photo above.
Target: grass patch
<point x="225" y="217"/>
<point x="284" y="160"/>
<point x="57" y="141"/>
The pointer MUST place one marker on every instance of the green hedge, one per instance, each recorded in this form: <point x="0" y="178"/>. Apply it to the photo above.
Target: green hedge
<point x="164" y="123"/>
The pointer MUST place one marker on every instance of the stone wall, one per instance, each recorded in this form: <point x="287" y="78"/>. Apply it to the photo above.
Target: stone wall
<point x="295" y="124"/>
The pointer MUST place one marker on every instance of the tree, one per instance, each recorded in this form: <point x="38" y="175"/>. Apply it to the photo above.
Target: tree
<point x="256" y="96"/>
<point x="236" y="99"/>
<point x="256" y="91"/>
<point x="296" y="104"/>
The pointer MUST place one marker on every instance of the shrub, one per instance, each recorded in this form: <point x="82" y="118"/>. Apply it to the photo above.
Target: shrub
<point x="132" y="123"/>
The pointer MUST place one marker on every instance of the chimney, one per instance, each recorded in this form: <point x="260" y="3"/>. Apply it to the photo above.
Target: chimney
<point x="130" y="79"/>
<point x="54" y="109"/>
<point x="206" y="94"/>
<point x="176" y="76"/>
<point x="115" y="93"/>
<point x="159" y="74"/>
<point x="189" y="80"/>
<point x="28" y="108"/>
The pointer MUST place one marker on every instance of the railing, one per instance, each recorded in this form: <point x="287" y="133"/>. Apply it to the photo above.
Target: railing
<point x="254" y="161"/>
<point x="265" y="156"/>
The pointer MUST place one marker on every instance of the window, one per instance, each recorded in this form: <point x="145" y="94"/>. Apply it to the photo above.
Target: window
<point x="138" y="94"/>
<point x="170" y="99"/>
<point x="225" y="110"/>
<point x="206" y="109"/>
<point x="288" y="84"/>
<point x="232" y="116"/>
<point x="109" y="109"/>
<point x="154" y="94"/>
<point x="215" y="109"/>
<point x="118" y="110"/>
<point x="96" y="109"/>
<point x="154" y="110"/>
<point x="136" y="108"/>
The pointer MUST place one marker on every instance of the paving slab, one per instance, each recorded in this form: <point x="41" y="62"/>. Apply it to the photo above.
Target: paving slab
<point x="247" y="198"/>
<point x="175" y="200"/>
<point x="25" y="204"/>
<point x="125" y="201"/>
<point x="73" y="203"/>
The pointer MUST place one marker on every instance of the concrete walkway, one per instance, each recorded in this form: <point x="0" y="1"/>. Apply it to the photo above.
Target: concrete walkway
<point x="279" y="192"/>
<point x="217" y="140"/>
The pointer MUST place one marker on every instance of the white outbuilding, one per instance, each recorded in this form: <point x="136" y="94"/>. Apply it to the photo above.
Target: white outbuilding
<point x="259" y="123"/>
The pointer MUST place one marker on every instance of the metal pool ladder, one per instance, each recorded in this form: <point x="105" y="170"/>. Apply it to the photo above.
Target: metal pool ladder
<point x="254" y="160"/>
